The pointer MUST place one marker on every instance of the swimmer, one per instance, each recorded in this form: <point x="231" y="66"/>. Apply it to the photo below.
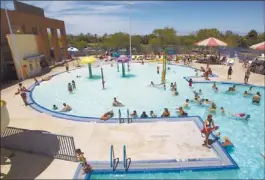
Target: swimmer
<point x="165" y="87"/>
<point x="172" y="86"/>
<point x="73" y="84"/>
<point x="190" y="82"/>
<point x="222" y="110"/>
<point x="233" y="88"/>
<point x="152" y="114"/>
<point x="213" y="107"/>
<point x="116" y="103"/>
<point x="157" y="69"/>
<point x="214" y="85"/>
<point x="175" y="92"/>
<point x="152" y="83"/>
<point x="134" y="114"/>
<point x="168" y="68"/>
<point x="181" y="112"/>
<point x="216" y="89"/>
<point x="107" y="115"/>
<point x="70" y="89"/>
<point x="226" y="142"/>
<point x="200" y="91"/>
<point x="207" y="101"/>
<point x="230" y="89"/>
<point x="196" y="72"/>
<point x="78" y="76"/>
<point x="256" y="98"/>
<point x="186" y="104"/>
<point x="246" y="94"/>
<point x="243" y="116"/>
<point x="66" y="108"/>
<point x="54" y="107"/>
<point x="166" y="113"/>
<point x="175" y="85"/>
<point x="36" y="81"/>
<point x="144" y="115"/>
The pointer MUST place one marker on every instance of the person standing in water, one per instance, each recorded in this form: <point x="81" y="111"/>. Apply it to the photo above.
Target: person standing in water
<point x="190" y="82"/>
<point x="22" y="91"/>
<point x="73" y="84"/>
<point x="157" y="69"/>
<point x="70" y="88"/>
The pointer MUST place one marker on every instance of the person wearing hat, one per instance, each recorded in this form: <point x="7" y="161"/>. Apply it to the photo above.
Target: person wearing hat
<point x="227" y="142"/>
<point x="208" y="126"/>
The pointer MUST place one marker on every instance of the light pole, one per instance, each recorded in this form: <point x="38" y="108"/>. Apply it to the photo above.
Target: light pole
<point x="13" y="41"/>
<point x="130" y="36"/>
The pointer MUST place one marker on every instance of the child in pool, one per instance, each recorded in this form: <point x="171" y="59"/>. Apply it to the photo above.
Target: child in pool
<point x="54" y="107"/>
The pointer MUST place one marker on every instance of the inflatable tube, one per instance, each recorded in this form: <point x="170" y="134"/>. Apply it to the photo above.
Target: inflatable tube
<point x="211" y="129"/>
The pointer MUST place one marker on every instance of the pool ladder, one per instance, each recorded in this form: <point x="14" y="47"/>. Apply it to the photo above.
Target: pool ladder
<point x="114" y="162"/>
<point x="122" y="120"/>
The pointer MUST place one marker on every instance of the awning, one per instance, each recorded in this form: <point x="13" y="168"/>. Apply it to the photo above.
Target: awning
<point x="37" y="56"/>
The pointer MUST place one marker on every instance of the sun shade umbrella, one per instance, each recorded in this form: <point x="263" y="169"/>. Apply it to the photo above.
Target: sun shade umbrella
<point x="89" y="60"/>
<point x="72" y="49"/>
<point x="210" y="42"/>
<point x="123" y="59"/>
<point x="259" y="46"/>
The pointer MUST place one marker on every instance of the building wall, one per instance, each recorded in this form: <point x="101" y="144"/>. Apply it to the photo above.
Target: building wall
<point x="26" y="45"/>
<point x="28" y="23"/>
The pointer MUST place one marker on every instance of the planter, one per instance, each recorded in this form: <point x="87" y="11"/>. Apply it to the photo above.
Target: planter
<point x="4" y="116"/>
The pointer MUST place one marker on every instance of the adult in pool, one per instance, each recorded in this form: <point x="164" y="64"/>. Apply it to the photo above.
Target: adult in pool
<point x="66" y="108"/>
<point x="181" y="112"/>
<point x="107" y="115"/>
<point x="256" y="98"/>
<point x="116" y="103"/>
<point x="166" y="113"/>
<point x="213" y="107"/>
<point x="208" y="126"/>
<point x="186" y="104"/>
<point x="144" y="115"/>
<point x="152" y="114"/>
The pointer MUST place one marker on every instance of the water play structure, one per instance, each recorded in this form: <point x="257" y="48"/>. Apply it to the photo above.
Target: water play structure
<point x="89" y="60"/>
<point x="123" y="59"/>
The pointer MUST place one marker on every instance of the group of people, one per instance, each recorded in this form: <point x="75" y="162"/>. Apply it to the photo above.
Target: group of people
<point x="65" y="108"/>
<point x="143" y="115"/>
<point x="206" y="72"/>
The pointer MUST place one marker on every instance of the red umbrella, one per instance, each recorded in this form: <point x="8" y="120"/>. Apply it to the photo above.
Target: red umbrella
<point x="259" y="46"/>
<point x="211" y="42"/>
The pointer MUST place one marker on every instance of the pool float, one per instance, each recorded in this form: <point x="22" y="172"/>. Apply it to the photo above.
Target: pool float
<point x="203" y="131"/>
<point x="107" y="116"/>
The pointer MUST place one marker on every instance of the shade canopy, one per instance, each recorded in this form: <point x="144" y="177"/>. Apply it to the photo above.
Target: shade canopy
<point x="211" y="42"/>
<point x="259" y="46"/>
<point x="123" y="59"/>
<point x="88" y="60"/>
<point x="72" y="49"/>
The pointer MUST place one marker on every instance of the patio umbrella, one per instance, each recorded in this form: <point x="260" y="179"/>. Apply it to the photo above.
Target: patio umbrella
<point x="72" y="49"/>
<point x="259" y="46"/>
<point x="210" y="42"/>
<point x="123" y="59"/>
<point x="88" y="60"/>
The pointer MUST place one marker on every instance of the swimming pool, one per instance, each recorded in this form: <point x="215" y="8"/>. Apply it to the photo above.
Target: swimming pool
<point x="90" y="100"/>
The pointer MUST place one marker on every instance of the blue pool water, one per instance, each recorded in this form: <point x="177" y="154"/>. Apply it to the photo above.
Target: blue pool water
<point x="90" y="100"/>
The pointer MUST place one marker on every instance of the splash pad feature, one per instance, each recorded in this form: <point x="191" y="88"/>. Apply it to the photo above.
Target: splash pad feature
<point x="123" y="59"/>
<point x="89" y="60"/>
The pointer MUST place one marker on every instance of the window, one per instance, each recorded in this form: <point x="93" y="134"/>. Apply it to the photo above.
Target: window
<point x="30" y="67"/>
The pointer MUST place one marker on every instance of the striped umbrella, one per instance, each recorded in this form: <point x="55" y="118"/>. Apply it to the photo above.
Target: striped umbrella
<point x="259" y="46"/>
<point x="211" y="42"/>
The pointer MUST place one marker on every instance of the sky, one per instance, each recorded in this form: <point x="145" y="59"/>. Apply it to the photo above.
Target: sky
<point x="99" y="17"/>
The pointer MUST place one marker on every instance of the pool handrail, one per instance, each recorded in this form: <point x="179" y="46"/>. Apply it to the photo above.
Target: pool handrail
<point x="129" y="119"/>
<point x="113" y="161"/>
<point x="126" y="161"/>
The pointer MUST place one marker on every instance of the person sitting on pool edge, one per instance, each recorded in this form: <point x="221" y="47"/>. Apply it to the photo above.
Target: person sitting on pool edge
<point x="134" y="114"/>
<point x="226" y="142"/>
<point x="54" y="107"/>
<point x="152" y="114"/>
<point x="186" y="104"/>
<point x="181" y="112"/>
<point x="144" y="115"/>
<point x="166" y="113"/>
<point x="107" y="115"/>
<point x="66" y="108"/>
<point x="256" y="98"/>
<point x="116" y="103"/>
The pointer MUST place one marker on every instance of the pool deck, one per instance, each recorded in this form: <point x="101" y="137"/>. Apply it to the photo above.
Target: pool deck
<point x="28" y="118"/>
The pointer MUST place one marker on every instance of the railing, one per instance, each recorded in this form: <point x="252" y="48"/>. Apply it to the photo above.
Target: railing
<point x="113" y="161"/>
<point x="126" y="161"/>
<point x="122" y="120"/>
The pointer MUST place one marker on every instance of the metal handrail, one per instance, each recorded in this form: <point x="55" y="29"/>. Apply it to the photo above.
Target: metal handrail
<point x="113" y="161"/>
<point x="121" y="120"/>
<point x="129" y="119"/>
<point x="126" y="161"/>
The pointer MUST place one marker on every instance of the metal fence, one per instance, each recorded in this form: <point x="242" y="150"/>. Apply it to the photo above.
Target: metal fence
<point x="39" y="142"/>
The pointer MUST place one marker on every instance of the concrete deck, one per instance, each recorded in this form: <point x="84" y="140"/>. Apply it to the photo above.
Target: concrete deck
<point x="27" y="118"/>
